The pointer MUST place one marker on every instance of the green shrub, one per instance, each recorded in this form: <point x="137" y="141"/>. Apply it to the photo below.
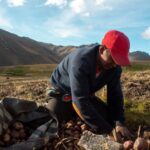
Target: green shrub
<point x="138" y="66"/>
<point x="17" y="71"/>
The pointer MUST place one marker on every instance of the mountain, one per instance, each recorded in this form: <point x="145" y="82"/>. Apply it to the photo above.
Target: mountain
<point x="139" y="56"/>
<point x="16" y="50"/>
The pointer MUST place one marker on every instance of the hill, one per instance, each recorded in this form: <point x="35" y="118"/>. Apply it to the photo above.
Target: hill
<point x="16" y="50"/>
<point x="139" y="56"/>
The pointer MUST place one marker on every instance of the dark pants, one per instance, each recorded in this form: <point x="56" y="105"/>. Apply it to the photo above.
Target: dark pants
<point x="65" y="111"/>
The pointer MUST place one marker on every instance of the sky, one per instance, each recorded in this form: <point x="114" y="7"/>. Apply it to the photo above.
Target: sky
<point x="77" y="22"/>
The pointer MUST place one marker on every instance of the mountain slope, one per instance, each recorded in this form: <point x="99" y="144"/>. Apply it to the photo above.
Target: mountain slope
<point x="139" y="56"/>
<point x="16" y="50"/>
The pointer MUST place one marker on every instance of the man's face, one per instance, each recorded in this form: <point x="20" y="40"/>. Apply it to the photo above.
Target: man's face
<point x="107" y="60"/>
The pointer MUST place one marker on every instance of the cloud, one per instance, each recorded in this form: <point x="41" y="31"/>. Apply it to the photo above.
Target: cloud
<point x="99" y="2"/>
<point x="87" y="7"/>
<point x="5" y="22"/>
<point x="64" y="32"/>
<point x="146" y="33"/>
<point x="102" y="4"/>
<point x="15" y="3"/>
<point x="78" y="6"/>
<point x="59" y="3"/>
<point x="63" y="27"/>
<point x="69" y="26"/>
<point x="25" y="28"/>
<point x="87" y="14"/>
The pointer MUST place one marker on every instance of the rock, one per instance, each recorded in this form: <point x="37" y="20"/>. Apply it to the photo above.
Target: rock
<point x="91" y="141"/>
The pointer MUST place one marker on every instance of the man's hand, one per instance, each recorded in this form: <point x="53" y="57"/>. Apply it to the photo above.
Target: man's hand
<point x="123" y="131"/>
<point x="118" y="133"/>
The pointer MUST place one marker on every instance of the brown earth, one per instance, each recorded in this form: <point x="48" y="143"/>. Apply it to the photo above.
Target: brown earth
<point x="136" y="87"/>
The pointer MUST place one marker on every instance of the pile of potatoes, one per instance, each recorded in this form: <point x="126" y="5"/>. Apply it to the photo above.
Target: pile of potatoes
<point x="140" y="143"/>
<point x="68" y="136"/>
<point x="14" y="134"/>
<point x="71" y="132"/>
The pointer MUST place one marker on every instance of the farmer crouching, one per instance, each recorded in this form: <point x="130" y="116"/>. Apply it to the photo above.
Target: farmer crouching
<point x="85" y="71"/>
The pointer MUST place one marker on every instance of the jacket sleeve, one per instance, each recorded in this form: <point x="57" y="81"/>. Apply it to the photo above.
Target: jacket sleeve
<point x="115" y="98"/>
<point x="79" y="80"/>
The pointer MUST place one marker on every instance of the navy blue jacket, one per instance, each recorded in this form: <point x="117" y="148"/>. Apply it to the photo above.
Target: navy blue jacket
<point x="76" y="74"/>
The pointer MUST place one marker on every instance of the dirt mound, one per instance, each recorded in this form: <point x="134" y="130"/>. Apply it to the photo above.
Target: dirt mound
<point x="136" y="85"/>
<point x="29" y="89"/>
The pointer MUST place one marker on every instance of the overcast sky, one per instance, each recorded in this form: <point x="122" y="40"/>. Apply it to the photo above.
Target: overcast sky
<point x="77" y="22"/>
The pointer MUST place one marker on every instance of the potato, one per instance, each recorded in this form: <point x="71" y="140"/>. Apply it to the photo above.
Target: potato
<point x="127" y="145"/>
<point x="68" y="132"/>
<point x="70" y="148"/>
<point x="2" y="143"/>
<point x="148" y="141"/>
<point x="76" y="132"/>
<point x="69" y="124"/>
<point x="6" y="137"/>
<point x="70" y="144"/>
<point x="15" y="134"/>
<point x="79" y="123"/>
<point x="18" y="125"/>
<point x="8" y="131"/>
<point x="140" y="144"/>
<point x="83" y="127"/>
<point x="77" y="135"/>
<point x="22" y="134"/>
<point x="146" y="134"/>
<point x="76" y="127"/>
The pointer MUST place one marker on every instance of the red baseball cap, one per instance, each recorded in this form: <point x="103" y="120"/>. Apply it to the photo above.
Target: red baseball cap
<point x="119" y="45"/>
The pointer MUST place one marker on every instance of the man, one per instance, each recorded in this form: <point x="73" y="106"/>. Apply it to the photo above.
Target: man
<point x="81" y="74"/>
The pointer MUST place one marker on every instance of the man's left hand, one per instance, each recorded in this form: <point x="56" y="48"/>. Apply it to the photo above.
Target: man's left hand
<point x="123" y="131"/>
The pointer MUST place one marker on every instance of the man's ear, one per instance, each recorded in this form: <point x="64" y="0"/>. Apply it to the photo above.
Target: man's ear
<point x="101" y="49"/>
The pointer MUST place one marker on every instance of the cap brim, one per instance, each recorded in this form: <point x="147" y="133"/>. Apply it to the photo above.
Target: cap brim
<point x="121" y="61"/>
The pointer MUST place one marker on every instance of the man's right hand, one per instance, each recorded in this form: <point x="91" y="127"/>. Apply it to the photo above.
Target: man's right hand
<point x="118" y="133"/>
<point x="123" y="131"/>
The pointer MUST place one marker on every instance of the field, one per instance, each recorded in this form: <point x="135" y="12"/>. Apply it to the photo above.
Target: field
<point x="30" y="83"/>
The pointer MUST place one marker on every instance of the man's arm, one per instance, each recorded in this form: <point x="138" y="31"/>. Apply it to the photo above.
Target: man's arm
<point x="81" y="99"/>
<point x="116" y="104"/>
<point x="115" y="98"/>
